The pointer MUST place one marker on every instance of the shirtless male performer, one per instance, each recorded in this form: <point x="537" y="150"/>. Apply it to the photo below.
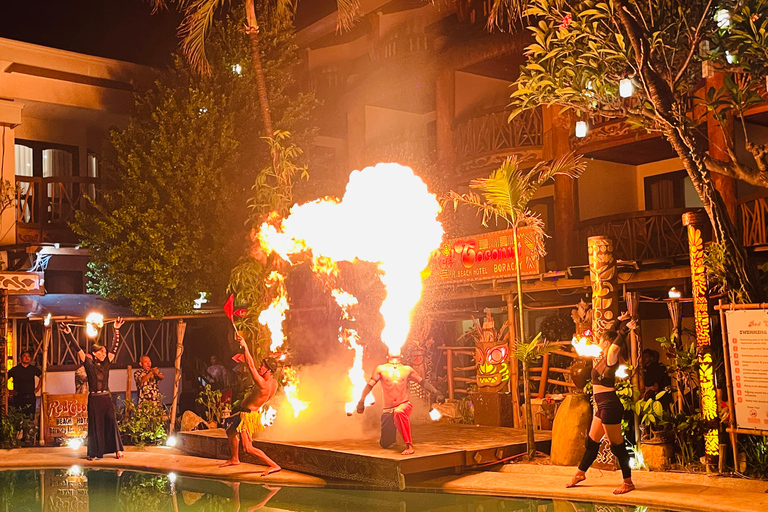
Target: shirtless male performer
<point x="245" y="420"/>
<point x="396" y="416"/>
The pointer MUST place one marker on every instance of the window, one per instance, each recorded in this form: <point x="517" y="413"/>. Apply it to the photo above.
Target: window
<point x="93" y="172"/>
<point x="665" y="191"/>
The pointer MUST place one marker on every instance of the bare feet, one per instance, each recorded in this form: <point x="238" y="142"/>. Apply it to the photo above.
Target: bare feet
<point x="625" y="487"/>
<point x="119" y="455"/>
<point x="270" y="470"/>
<point x="408" y="450"/>
<point x="230" y="462"/>
<point x="578" y="477"/>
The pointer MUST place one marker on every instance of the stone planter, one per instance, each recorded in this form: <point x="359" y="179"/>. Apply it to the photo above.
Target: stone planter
<point x="657" y="453"/>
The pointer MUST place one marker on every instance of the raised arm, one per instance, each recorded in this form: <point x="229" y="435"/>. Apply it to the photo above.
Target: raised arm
<point x="115" y="339"/>
<point x="418" y="379"/>
<point x="375" y="377"/>
<point x="66" y="333"/>
<point x="250" y="362"/>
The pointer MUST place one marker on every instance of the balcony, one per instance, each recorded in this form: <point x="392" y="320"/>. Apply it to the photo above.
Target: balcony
<point x="483" y="141"/>
<point x="753" y="219"/>
<point x="46" y="206"/>
<point x="647" y="236"/>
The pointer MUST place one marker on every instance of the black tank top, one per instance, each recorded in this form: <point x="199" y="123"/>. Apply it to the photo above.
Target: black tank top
<point x="608" y="378"/>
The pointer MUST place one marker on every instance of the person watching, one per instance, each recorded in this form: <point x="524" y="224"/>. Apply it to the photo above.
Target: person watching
<point x="147" y="378"/>
<point x="23" y="375"/>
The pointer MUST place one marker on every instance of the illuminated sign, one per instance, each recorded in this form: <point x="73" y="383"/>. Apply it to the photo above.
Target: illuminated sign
<point x="485" y="256"/>
<point x="65" y="416"/>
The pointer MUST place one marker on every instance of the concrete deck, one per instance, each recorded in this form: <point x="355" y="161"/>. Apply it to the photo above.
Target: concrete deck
<point x="674" y="491"/>
<point x="439" y="447"/>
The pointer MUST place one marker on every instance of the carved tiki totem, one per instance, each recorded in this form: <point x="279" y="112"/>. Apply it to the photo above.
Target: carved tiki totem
<point x="492" y="357"/>
<point x="604" y="277"/>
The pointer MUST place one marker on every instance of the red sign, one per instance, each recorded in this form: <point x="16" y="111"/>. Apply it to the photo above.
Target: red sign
<point x="485" y="256"/>
<point x="65" y="416"/>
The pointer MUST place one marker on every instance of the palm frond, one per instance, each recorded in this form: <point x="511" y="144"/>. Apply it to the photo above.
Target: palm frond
<point x="504" y="13"/>
<point x="487" y="210"/>
<point x="347" y="12"/>
<point x="198" y="17"/>
<point x="532" y="350"/>
<point x="570" y="165"/>
<point x="159" y="5"/>
<point x="504" y="188"/>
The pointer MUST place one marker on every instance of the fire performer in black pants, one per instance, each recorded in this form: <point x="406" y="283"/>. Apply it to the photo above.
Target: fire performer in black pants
<point x="103" y="434"/>
<point x="609" y="409"/>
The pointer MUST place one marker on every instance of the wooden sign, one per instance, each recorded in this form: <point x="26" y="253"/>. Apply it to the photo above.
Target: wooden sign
<point x="65" y="416"/>
<point x="748" y="360"/>
<point x="485" y="256"/>
<point x="24" y="283"/>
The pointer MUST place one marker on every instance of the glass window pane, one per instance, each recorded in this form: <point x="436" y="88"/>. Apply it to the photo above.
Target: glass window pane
<point x="57" y="162"/>
<point x="23" y="156"/>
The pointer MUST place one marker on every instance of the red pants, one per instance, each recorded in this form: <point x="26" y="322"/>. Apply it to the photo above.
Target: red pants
<point x="397" y="419"/>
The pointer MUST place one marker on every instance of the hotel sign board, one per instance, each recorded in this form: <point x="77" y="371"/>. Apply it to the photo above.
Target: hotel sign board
<point x="748" y="360"/>
<point x="485" y="256"/>
<point x="65" y="416"/>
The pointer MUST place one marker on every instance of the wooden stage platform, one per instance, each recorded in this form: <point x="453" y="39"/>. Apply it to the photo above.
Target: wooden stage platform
<point x="439" y="446"/>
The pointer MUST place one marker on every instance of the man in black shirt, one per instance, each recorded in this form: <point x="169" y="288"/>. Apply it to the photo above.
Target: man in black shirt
<point x="23" y="375"/>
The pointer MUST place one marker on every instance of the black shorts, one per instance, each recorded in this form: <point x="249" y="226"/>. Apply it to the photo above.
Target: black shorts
<point x="231" y="423"/>
<point x="609" y="407"/>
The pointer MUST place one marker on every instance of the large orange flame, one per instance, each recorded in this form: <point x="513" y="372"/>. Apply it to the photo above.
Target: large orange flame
<point x="350" y="338"/>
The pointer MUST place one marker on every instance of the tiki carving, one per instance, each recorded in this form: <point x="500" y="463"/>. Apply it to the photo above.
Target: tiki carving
<point x="604" y="278"/>
<point x="491" y="355"/>
<point x="419" y="352"/>
<point x="695" y="221"/>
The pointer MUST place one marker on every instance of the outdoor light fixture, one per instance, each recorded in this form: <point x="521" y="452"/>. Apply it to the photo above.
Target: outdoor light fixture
<point x="581" y="129"/>
<point x="47" y="320"/>
<point x="200" y="300"/>
<point x="674" y="293"/>
<point x="172" y="477"/>
<point x="237" y="69"/>
<point x="723" y="19"/>
<point x="93" y="322"/>
<point x="731" y="58"/>
<point x="171" y="441"/>
<point x="75" y="443"/>
<point x="626" y="88"/>
<point x="435" y="414"/>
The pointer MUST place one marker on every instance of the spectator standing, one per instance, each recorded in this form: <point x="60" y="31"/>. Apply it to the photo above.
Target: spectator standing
<point x="81" y="381"/>
<point x="147" y="378"/>
<point x="217" y="374"/>
<point x="23" y="375"/>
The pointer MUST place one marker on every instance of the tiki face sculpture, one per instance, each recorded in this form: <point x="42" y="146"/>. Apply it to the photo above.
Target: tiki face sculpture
<point x="492" y="357"/>
<point x="492" y="365"/>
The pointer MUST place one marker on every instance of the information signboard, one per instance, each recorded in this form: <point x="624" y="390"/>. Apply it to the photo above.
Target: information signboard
<point x="65" y="416"/>
<point x="748" y="360"/>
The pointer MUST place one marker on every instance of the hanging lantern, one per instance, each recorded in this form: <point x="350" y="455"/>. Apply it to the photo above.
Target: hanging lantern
<point x="626" y="88"/>
<point x="581" y="129"/>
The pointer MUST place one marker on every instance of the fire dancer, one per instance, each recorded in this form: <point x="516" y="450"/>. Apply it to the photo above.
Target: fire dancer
<point x="396" y="416"/>
<point x="103" y="434"/>
<point x="609" y="409"/>
<point x="245" y="420"/>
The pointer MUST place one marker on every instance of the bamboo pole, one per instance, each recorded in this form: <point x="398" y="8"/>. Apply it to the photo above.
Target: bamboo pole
<point x="181" y="327"/>
<point x="544" y="375"/>
<point x="449" y="368"/>
<point x="47" y="333"/>
<point x="128" y="397"/>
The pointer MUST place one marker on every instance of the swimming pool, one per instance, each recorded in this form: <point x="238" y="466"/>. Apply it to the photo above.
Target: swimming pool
<point x="75" y="490"/>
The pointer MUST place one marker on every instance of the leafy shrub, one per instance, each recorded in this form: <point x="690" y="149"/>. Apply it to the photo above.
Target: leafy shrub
<point x="145" y="424"/>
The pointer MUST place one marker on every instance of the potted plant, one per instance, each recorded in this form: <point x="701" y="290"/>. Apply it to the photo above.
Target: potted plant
<point x="657" y="436"/>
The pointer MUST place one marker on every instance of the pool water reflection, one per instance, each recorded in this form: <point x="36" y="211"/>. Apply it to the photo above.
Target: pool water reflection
<point x="76" y="490"/>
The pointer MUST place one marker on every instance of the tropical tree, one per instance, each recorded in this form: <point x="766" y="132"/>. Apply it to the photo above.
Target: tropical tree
<point x="504" y="196"/>
<point x="171" y="223"/>
<point x="583" y="49"/>
<point x="198" y="19"/>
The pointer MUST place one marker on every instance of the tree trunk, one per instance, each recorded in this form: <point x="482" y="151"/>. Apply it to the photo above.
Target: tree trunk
<point x="252" y="29"/>
<point x="740" y="274"/>
<point x="530" y="438"/>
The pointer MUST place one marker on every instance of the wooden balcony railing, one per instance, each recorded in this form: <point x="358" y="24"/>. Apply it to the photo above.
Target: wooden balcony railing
<point x="46" y="206"/>
<point x="640" y="236"/>
<point x="490" y="134"/>
<point x="753" y="219"/>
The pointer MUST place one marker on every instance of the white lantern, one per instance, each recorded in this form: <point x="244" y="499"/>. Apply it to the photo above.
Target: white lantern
<point x="581" y="129"/>
<point x="626" y="88"/>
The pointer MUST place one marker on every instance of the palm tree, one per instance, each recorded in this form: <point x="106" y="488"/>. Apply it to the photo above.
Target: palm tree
<point x="505" y="196"/>
<point x="199" y="16"/>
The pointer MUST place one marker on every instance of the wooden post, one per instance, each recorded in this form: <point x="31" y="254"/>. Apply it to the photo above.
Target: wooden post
<point x="729" y="391"/>
<point x="694" y="222"/>
<point x="604" y="278"/>
<point x="180" y="328"/>
<point x="128" y="397"/>
<point x="514" y="377"/>
<point x="449" y="372"/>
<point x="47" y="333"/>
<point x="544" y="375"/>
<point x="633" y="306"/>
<point x="4" y="340"/>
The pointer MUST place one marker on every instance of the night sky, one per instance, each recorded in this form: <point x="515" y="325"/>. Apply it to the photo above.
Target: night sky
<point x="118" y="29"/>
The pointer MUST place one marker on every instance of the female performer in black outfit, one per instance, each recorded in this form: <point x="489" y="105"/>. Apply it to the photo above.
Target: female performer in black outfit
<point x="103" y="434"/>
<point x="609" y="410"/>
